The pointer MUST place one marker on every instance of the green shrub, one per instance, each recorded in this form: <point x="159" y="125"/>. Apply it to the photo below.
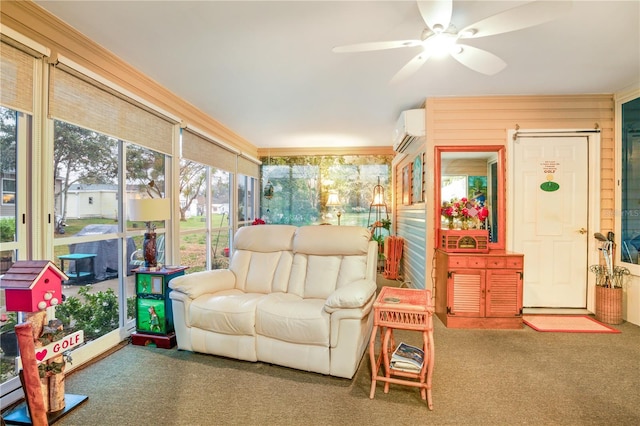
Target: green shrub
<point x="7" y="229"/>
<point x="97" y="316"/>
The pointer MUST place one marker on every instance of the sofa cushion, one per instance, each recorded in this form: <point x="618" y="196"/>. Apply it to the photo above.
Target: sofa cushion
<point x="265" y="238"/>
<point x="287" y="317"/>
<point x="227" y="312"/>
<point x="327" y="258"/>
<point x="258" y="272"/>
<point x="332" y="240"/>
<point x="319" y="276"/>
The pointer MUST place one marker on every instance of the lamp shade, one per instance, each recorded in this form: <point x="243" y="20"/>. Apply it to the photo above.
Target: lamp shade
<point x="149" y="209"/>
<point x="333" y="199"/>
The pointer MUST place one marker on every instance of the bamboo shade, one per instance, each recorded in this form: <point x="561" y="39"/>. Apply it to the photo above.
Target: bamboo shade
<point x="248" y="168"/>
<point x="16" y="78"/>
<point x="84" y="102"/>
<point x="202" y="150"/>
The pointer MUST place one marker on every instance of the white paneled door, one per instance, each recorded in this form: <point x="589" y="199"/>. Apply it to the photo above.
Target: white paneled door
<point x="550" y="191"/>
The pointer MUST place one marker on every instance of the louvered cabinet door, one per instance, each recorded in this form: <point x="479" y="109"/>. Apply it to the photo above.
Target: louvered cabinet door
<point x="503" y="293"/>
<point x="465" y="293"/>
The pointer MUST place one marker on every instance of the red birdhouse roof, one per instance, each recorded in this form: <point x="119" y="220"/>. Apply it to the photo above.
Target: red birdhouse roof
<point x="23" y="274"/>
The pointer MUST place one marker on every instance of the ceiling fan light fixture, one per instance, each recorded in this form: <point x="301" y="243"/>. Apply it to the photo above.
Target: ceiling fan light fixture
<point x="468" y="33"/>
<point x="440" y="45"/>
<point x="441" y="37"/>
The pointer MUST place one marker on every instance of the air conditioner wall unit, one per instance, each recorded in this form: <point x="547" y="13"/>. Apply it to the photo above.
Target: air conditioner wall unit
<point x="410" y="127"/>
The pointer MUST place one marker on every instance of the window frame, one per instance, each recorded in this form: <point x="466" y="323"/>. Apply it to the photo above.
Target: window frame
<point x="620" y="100"/>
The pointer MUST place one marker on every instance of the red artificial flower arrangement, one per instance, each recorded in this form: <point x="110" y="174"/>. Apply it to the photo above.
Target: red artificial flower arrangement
<point x="463" y="209"/>
<point x="258" y="221"/>
<point x="455" y="208"/>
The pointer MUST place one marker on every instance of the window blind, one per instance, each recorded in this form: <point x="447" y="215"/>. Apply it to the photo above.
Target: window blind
<point x="16" y="78"/>
<point x="202" y="150"/>
<point x="248" y="168"/>
<point x="79" y="100"/>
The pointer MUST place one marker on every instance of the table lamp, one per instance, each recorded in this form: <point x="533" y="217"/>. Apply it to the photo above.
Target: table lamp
<point x="148" y="210"/>
<point x="334" y="202"/>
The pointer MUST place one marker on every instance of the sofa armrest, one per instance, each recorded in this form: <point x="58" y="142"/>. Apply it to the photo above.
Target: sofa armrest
<point x="199" y="283"/>
<point x="353" y="295"/>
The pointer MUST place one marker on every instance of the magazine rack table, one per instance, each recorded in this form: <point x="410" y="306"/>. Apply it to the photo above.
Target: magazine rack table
<point x="405" y="309"/>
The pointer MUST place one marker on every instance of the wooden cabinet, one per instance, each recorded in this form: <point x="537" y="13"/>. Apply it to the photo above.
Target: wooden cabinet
<point x="154" y="316"/>
<point x="479" y="290"/>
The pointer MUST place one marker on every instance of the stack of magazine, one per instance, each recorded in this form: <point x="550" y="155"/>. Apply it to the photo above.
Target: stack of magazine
<point x="407" y="358"/>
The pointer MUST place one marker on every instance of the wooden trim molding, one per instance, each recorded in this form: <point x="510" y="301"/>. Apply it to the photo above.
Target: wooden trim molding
<point x="295" y="152"/>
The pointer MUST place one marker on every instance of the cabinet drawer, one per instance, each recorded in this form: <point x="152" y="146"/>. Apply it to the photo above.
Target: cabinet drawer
<point x="477" y="262"/>
<point x="458" y="261"/>
<point x="496" y="262"/>
<point x="514" y="262"/>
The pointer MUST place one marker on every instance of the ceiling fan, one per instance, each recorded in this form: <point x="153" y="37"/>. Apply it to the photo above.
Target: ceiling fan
<point x="441" y="37"/>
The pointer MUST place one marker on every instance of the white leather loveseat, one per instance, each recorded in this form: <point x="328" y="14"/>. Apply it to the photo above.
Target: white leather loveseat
<point x="300" y="297"/>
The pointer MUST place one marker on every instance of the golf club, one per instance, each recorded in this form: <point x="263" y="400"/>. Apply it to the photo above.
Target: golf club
<point x="606" y="247"/>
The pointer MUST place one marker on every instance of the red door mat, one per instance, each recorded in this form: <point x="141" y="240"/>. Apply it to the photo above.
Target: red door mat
<point x="567" y="324"/>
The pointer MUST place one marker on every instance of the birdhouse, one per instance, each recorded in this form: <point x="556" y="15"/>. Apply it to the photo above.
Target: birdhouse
<point x="32" y="285"/>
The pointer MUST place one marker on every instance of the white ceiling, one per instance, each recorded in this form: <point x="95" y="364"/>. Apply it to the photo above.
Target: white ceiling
<point x="265" y="69"/>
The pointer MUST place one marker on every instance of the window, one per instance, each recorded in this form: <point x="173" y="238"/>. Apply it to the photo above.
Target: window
<point x="220" y="223"/>
<point x="8" y="156"/>
<point x="630" y="182"/>
<point x="206" y="201"/>
<point x="8" y="191"/>
<point x="86" y="164"/>
<point x="146" y="178"/>
<point x="204" y="216"/>
<point x="87" y="188"/>
<point x="17" y="76"/>
<point x="299" y="188"/>
<point x="453" y="187"/>
<point x="10" y="126"/>
<point x="246" y="202"/>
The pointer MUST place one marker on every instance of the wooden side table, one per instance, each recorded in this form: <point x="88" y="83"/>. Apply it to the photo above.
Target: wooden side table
<point x="154" y="314"/>
<point x="79" y="276"/>
<point x="406" y="309"/>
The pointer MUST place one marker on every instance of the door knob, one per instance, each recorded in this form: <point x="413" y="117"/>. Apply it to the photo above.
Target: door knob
<point x="582" y="231"/>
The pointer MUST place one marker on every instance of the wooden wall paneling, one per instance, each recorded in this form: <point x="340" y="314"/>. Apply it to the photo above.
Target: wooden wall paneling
<point x="410" y="224"/>
<point x="487" y="120"/>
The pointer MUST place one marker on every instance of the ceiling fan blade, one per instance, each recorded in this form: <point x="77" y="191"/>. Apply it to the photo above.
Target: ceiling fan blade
<point x="528" y="15"/>
<point x="436" y="12"/>
<point x="479" y="60"/>
<point x="411" y="67"/>
<point x="376" y="45"/>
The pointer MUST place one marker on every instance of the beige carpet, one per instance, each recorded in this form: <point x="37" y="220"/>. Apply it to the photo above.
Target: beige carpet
<point x="481" y="377"/>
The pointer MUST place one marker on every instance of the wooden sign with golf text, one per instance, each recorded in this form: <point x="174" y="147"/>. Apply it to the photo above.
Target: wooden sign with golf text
<point x="56" y="348"/>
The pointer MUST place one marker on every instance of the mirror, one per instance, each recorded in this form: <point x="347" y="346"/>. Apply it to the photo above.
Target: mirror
<point x="477" y="174"/>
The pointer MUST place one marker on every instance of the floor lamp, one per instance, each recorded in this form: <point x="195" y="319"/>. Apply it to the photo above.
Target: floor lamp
<point x="377" y="204"/>
<point x="149" y="210"/>
<point x="334" y="202"/>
